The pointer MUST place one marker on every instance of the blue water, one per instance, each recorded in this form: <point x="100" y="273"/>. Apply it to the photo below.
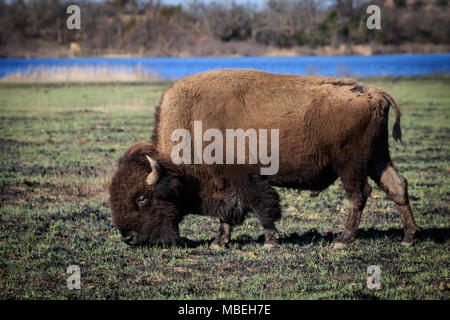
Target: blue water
<point x="172" y="68"/>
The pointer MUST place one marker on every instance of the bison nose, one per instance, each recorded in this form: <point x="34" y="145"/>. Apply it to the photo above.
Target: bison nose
<point x="131" y="238"/>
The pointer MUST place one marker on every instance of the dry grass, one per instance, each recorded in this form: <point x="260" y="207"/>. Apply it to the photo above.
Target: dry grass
<point x="82" y="74"/>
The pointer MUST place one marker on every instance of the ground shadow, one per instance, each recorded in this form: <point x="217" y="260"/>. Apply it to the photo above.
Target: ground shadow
<point x="437" y="235"/>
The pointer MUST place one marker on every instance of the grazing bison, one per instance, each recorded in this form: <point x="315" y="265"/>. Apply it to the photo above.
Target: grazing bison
<point x="329" y="128"/>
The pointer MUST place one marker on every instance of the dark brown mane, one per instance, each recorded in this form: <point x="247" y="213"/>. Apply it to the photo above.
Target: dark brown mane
<point x="138" y="151"/>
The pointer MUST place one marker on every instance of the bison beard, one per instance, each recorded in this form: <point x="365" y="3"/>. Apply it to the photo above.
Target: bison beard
<point x="329" y="128"/>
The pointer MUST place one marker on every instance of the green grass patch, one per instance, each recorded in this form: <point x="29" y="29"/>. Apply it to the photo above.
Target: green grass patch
<point x="59" y="145"/>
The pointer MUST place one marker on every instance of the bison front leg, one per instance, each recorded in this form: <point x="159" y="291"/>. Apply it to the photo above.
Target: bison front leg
<point x="357" y="193"/>
<point x="265" y="203"/>
<point x="223" y="236"/>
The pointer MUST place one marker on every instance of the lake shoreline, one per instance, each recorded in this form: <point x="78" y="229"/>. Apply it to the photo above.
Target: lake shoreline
<point x="137" y="69"/>
<point x="228" y="49"/>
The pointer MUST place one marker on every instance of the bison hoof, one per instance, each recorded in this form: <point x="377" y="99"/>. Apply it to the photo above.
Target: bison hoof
<point x="341" y="242"/>
<point x="337" y="245"/>
<point x="407" y="241"/>
<point x="214" y="246"/>
<point x="218" y="244"/>
<point x="268" y="245"/>
<point x="409" y="237"/>
<point x="271" y="238"/>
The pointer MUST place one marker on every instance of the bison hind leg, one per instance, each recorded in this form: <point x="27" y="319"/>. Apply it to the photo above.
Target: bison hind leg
<point x="357" y="189"/>
<point x="396" y="186"/>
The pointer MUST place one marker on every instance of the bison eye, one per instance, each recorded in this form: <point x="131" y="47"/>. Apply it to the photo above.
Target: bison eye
<point x="141" y="201"/>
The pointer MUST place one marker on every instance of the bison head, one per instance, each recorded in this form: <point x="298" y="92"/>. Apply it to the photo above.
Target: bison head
<point x="145" y="197"/>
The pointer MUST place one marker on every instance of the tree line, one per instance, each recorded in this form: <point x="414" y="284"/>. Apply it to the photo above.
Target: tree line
<point x="205" y="28"/>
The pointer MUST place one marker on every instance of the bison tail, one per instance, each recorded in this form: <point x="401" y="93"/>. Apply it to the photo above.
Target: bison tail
<point x="396" y="131"/>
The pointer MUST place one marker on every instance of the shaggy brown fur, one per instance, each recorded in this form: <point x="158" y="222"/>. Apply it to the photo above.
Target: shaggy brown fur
<point x="329" y="128"/>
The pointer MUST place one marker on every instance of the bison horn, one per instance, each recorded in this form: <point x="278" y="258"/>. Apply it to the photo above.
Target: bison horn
<point x="153" y="176"/>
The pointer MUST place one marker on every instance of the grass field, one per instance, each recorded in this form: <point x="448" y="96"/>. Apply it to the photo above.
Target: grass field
<point x="60" y="143"/>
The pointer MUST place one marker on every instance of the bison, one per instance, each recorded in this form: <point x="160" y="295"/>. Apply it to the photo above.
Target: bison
<point x="329" y="128"/>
